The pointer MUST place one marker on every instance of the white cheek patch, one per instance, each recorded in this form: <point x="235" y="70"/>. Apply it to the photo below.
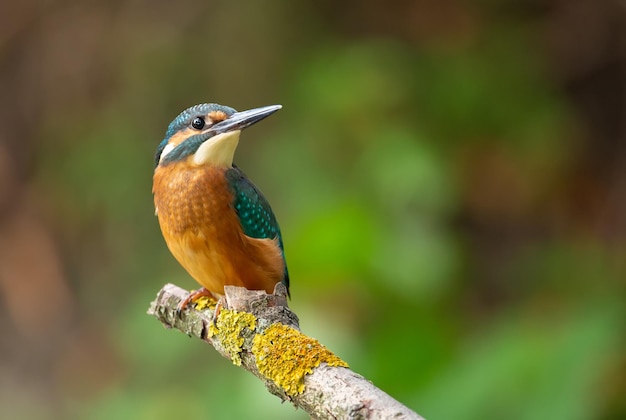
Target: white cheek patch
<point x="166" y="150"/>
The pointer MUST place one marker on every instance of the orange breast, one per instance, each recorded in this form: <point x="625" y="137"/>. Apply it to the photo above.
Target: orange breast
<point x="202" y="230"/>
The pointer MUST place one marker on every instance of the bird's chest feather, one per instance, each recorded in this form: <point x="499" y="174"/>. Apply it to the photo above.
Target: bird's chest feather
<point x="202" y="230"/>
<point x="192" y="200"/>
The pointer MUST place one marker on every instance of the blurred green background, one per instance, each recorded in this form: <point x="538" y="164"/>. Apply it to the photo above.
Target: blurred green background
<point x="450" y="178"/>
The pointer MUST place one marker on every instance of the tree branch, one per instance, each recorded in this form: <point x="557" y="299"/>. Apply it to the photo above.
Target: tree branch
<point x="260" y="333"/>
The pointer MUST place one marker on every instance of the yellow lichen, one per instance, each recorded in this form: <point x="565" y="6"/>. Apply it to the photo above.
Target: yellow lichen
<point x="205" y="302"/>
<point x="228" y="329"/>
<point x="285" y="355"/>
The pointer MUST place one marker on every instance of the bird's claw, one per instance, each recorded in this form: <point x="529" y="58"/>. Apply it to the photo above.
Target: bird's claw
<point x="218" y="308"/>
<point x="191" y="298"/>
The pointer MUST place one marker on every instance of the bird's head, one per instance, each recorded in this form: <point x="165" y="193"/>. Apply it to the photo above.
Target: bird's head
<point x="207" y="134"/>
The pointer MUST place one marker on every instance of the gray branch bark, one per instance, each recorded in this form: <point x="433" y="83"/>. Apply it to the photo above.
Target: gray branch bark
<point x="328" y="392"/>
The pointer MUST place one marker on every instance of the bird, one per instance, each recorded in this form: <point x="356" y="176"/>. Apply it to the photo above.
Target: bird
<point x="216" y="223"/>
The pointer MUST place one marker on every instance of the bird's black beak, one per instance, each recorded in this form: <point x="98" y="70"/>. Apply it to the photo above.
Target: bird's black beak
<point x="243" y="119"/>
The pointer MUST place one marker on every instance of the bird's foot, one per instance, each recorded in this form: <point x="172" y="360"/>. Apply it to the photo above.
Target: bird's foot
<point x="191" y="298"/>
<point x="221" y="303"/>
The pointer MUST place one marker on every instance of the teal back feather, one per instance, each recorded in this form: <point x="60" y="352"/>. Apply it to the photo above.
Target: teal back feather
<point x="255" y="214"/>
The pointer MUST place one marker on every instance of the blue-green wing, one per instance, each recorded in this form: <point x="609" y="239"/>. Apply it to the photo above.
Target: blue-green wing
<point x="255" y="214"/>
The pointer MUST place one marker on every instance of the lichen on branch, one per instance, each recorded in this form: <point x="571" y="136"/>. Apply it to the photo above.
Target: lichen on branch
<point x="258" y="332"/>
<point x="285" y="356"/>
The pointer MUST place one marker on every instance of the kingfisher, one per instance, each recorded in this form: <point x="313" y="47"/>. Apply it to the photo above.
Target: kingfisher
<point x="215" y="221"/>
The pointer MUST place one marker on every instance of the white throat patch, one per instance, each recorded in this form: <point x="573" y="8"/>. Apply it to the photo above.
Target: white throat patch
<point x="218" y="150"/>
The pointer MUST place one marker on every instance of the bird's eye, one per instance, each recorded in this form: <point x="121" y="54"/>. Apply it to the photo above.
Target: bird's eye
<point x="198" y="123"/>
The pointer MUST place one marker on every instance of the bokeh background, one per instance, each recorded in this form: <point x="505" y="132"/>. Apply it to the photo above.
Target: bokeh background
<point x="450" y="177"/>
